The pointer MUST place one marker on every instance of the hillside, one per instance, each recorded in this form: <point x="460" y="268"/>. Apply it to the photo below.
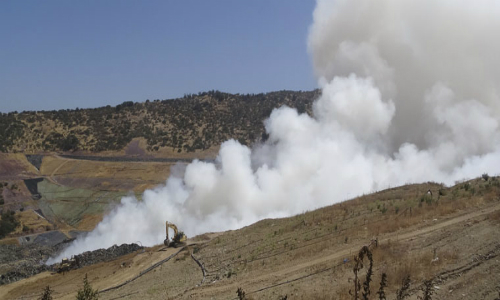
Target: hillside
<point x="70" y="194"/>
<point x="61" y="172"/>
<point x="192" y="123"/>
<point x="450" y="238"/>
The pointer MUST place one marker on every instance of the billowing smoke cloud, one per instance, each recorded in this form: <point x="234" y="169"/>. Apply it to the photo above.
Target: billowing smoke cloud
<point x="410" y="94"/>
<point x="411" y="49"/>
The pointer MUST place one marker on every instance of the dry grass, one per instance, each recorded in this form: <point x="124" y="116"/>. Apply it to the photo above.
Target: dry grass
<point x="9" y="241"/>
<point x="89" y="222"/>
<point x="137" y="171"/>
<point x="31" y="222"/>
<point x="201" y="237"/>
<point x="277" y="250"/>
<point x="397" y="260"/>
<point x="15" y="165"/>
<point x="494" y="217"/>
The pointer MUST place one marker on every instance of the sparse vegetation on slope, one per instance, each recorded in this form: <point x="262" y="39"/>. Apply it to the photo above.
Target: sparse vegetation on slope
<point x="195" y="122"/>
<point x="87" y="292"/>
<point x="47" y="294"/>
<point x="450" y="242"/>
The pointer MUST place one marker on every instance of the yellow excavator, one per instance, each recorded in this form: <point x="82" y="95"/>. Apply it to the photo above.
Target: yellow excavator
<point x="68" y="264"/>
<point x="178" y="239"/>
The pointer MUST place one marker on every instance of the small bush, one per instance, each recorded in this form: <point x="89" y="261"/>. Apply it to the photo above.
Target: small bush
<point x="87" y="293"/>
<point x="485" y="176"/>
<point x="8" y="223"/>
<point x="47" y="294"/>
<point x="426" y="198"/>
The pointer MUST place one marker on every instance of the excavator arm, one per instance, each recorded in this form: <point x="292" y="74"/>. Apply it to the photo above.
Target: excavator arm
<point x="167" y="241"/>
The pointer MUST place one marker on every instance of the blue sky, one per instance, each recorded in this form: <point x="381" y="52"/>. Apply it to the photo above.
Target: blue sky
<point x="68" y="54"/>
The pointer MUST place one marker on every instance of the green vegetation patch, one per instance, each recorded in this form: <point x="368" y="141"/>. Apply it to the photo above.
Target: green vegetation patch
<point x="8" y="223"/>
<point x="71" y="205"/>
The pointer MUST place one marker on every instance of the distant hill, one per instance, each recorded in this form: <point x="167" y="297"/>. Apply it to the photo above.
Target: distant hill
<point x="195" y="122"/>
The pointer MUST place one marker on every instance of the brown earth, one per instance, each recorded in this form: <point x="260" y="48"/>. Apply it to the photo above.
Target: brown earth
<point x="450" y="238"/>
<point x="15" y="166"/>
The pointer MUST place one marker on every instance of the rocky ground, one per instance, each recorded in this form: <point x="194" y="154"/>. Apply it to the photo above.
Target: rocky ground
<point x="19" y="262"/>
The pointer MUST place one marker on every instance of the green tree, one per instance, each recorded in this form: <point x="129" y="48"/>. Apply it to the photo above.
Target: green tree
<point x="69" y="143"/>
<point x="8" y="223"/>
<point x="87" y="293"/>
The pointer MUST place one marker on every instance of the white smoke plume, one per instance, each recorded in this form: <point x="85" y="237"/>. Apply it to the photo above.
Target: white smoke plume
<point x="410" y="94"/>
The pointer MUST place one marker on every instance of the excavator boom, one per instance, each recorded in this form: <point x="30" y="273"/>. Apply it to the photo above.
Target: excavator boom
<point x="175" y="239"/>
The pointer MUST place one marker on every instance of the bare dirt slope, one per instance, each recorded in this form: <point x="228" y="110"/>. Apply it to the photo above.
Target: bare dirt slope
<point x="450" y="238"/>
<point x="15" y="166"/>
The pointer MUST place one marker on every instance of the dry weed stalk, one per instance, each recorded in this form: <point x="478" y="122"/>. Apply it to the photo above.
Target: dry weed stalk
<point x="428" y="290"/>
<point x="357" y="267"/>
<point x="403" y="291"/>
<point x="383" y="285"/>
<point x="241" y="294"/>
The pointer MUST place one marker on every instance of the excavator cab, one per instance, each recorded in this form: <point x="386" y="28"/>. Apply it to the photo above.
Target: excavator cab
<point x="178" y="239"/>
<point x="67" y="264"/>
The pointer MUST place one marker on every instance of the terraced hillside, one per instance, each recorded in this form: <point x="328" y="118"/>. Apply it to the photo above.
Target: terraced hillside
<point x="448" y="237"/>
<point x="67" y="194"/>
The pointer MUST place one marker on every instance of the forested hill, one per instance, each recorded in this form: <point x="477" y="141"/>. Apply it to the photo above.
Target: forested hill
<point x="194" y="122"/>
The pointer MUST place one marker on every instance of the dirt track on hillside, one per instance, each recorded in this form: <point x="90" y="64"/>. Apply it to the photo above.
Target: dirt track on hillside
<point x="303" y="256"/>
<point x="287" y="273"/>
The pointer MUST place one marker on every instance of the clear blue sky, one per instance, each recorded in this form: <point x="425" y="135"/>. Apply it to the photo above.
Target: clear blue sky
<point x="68" y="54"/>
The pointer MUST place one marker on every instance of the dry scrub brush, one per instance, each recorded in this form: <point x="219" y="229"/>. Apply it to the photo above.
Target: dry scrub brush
<point x="402" y="293"/>
<point x="357" y="267"/>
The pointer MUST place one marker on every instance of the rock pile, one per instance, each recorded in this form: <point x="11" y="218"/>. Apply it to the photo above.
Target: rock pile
<point x="19" y="262"/>
<point x="100" y="255"/>
<point x="23" y="270"/>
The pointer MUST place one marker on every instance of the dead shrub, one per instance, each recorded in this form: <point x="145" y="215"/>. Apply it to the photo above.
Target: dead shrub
<point x="494" y="216"/>
<point x="403" y="292"/>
